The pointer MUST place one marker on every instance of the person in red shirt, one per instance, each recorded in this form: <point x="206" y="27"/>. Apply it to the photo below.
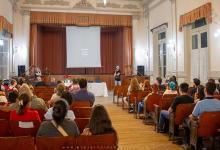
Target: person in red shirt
<point x="24" y="113"/>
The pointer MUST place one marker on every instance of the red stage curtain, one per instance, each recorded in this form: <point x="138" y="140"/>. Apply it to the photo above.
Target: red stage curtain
<point x="48" y="50"/>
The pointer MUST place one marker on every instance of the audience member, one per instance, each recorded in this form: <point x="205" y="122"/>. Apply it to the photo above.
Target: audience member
<point x="134" y="85"/>
<point x="146" y="85"/>
<point x="74" y="87"/>
<point x="200" y="93"/>
<point x="171" y="89"/>
<point x="83" y="94"/>
<point x="161" y="86"/>
<point x="209" y="104"/>
<point x="142" y="104"/>
<point x="59" y="126"/>
<point x="56" y="96"/>
<point x="100" y="122"/>
<point x="12" y="97"/>
<point x="182" y="99"/>
<point x="68" y="98"/>
<point x="24" y="113"/>
<point x="12" y="86"/>
<point x="35" y="102"/>
<point x="196" y="83"/>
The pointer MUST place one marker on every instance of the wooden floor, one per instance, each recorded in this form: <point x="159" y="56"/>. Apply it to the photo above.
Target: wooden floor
<point x="133" y="134"/>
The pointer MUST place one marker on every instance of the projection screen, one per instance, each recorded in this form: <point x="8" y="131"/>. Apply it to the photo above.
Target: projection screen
<point x="83" y="47"/>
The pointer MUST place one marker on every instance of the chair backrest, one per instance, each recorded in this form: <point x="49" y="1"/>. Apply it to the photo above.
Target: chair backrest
<point x="217" y="96"/>
<point x="166" y="101"/>
<point x="4" y="128"/>
<point x="4" y="115"/>
<point x="81" y="103"/>
<point x="120" y="91"/>
<point x="97" y="142"/>
<point x="24" y="128"/>
<point x="55" y="143"/>
<point x="209" y="122"/>
<point x="115" y="90"/>
<point x="133" y="96"/>
<point x="151" y="100"/>
<point x="82" y="112"/>
<point x="17" y="143"/>
<point x="41" y="113"/>
<point x="82" y="123"/>
<point x="183" y="111"/>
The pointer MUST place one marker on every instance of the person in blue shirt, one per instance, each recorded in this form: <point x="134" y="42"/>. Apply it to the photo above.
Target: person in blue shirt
<point x="209" y="104"/>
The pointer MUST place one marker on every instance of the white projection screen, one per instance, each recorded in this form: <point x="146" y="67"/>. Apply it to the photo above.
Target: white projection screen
<point x="83" y="47"/>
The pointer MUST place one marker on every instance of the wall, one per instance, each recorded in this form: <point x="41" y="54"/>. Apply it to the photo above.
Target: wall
<point x="6" y="10"/>
<point x="140" y="50"/>
<point x="160" y="12"/>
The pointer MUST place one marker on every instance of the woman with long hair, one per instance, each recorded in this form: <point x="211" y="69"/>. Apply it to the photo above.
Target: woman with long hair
<point x="57" y="95"/>
<point x="59" y="126"/>
<point x="24" y="112"/>
<point x="100" y="122"/>
<point x="134" y="85"/>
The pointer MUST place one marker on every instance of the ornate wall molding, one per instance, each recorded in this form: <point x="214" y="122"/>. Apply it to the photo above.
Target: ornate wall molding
<point x="109" y="5"/>
<point x="130" y="6"/>
<point x="83" y="4"/>
<point x="57" y="2"/>
<point x="33" y="2"/>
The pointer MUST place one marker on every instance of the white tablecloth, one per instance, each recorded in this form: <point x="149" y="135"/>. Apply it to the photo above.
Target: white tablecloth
<point x="98" y="89"/>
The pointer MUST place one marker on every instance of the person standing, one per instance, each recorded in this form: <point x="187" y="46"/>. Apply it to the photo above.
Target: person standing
<point x="117" y="76"/>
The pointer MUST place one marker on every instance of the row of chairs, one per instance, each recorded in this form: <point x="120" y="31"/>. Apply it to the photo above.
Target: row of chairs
<point x="204" y="127"/>
<point x="94" y="142"/>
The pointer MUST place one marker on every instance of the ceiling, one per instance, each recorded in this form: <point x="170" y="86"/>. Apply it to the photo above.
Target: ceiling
<point x="133" y="7"/>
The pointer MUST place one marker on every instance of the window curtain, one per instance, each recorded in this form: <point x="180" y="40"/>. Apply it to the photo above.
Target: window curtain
<point x="204" y="11"/>
<point x="5" y="25"/>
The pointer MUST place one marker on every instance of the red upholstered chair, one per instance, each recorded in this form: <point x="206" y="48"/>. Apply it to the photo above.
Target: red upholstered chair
<point x="41" y="113"/>
<point x="120" y="93"/>
<point x="24" y="128"/>
<point x="81" y="123"/>
<point x="177" y="118"/>
<point x="4" y="115"/>
<point x="17" y="143"/>
<point x="55" y="143"/>
<point x="132" y="98"/>
<point x="84" y="103"/>
<point x="217" y="96"/>
<point x="152" y="99"/>
<point x="4" y="128"/>
<point x="82" y="112"/>
<point x="115" y="93"/>
<point x="164" y="104"/>
<point x="97" y="142"/>
<point x="207" y="126"/>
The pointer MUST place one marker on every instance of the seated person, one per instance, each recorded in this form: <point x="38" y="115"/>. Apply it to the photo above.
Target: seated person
<point x="70" y="115"/>
<point x="59" y="126"/>
<point x="171" y="89"/>
<point x="13" y="85"/>
<point x="209" y="104"/>
<point x="35" y="102"/>
<point x="133" y="87"/>
<point x="83" y="94"/>
<point x="24" y="113"/>
<point x="74" y="86"/>
<point x="200" y="94"/>
<point x="146" y="85"/>
<point x="100" y="122"/>
<point x="196" y="83"/>
<point x="56" y="96"/>
<point x="12" y="97"/>
<point x="161" y="86"/>
<point x="182" y="99"/>
<point x="141" y="104"/>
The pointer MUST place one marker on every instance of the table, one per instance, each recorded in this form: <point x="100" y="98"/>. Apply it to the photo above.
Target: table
<point x="98" y="89"/>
